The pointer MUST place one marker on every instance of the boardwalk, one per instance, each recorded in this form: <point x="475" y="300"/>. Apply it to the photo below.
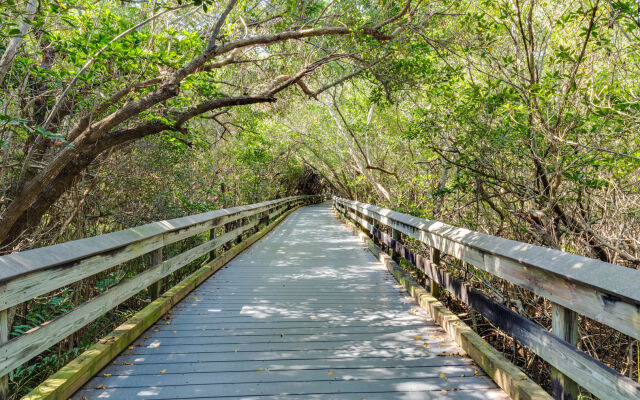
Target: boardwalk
<point x="306" y="313"/>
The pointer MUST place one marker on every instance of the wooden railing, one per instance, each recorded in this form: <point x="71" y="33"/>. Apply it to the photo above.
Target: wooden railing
<point x="32" y="273"/>
<point x="604" y="292"/>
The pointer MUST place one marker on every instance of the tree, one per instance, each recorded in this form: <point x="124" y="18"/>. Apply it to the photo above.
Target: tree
<point x="77" y="128"/>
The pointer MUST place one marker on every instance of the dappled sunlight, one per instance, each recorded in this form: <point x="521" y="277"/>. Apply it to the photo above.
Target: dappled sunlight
<point x="300" y="314"/>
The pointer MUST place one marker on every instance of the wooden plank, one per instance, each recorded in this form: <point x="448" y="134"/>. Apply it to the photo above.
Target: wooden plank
<point x="543" y="271"/>
<point x="328" y="385"/>
<point x="17" y="264"/>
<point x="310" y="353"/>
<point x="451" y="366"/>
<point x="244" y="376"/>
<point x="26" y="287"/>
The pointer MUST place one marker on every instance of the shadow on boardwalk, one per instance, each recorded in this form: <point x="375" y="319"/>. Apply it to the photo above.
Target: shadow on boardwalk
<point x="306" y="313"/>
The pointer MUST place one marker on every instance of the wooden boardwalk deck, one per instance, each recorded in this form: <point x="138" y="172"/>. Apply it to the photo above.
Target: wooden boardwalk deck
<point x="306" y="313"/>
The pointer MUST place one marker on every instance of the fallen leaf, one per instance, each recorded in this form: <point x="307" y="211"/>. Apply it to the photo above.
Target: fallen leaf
<point x="106" y="374"/>
<point x="330" y="373"/>
<point x="443" y="376"/>
<point x="524" y="378"/>
<point x="260" y="370"/>
<point x="175" y="331"/>
<point x="126" y="363"/>
<point x="476" y="372"/>
<point x="163" y="371"/>
<point x="100" y="387"/>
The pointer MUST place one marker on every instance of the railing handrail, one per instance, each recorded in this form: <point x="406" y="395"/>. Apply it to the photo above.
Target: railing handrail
<point x="611" y="278"/>
<point x="17" y="264"/>
<point x="609" y="300"/>
<point x="35" y="272"/>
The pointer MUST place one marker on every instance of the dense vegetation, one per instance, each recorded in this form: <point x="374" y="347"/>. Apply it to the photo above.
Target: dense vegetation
<point x="518" y="118"/>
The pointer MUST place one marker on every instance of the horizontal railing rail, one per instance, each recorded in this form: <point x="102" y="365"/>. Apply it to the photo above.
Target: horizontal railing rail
<point x="29" y="274"/>
<point x="605" y="292"/>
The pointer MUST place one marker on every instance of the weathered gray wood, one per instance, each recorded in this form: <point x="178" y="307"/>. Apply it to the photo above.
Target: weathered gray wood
<point x="212" y="235"/>
<point x="564" y="324"/>
<point x="26" y="287"/>
<point x="4" y="337"/>
<point x="326" y="386"/>
<point x="156" y="288"/>
<point x="395" y="234"/>
<point x="452" y="366"/>
<point x="293" y="375"/>
<point x="591" y="374"/>
<point x="17" y="264"/>
<point x="23" y="348"/>
<point x="281" y="329"/>
<point x="434" y="287"/>
<point x="41" y="280"/>
<point x="604" y="292"/>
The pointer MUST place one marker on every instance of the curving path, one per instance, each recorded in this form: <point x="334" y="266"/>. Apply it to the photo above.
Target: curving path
<point x="305" y="313"/>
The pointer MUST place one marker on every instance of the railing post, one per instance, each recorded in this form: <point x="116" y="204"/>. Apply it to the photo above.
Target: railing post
<point x="156" y="288"/>
<point x="212" y="235"/>
<point x="228" y="227"/>
<point x="564" y="324"/>
<point x="239" y="224"/>
<point x="4" y="337"/>
<point x="395" y="235"/>
<point x="436" y="290"/>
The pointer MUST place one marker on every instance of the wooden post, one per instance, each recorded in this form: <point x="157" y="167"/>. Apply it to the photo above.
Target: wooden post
<point x="4" y="337"/>
<point x="395" y="234"/>
<point x="436" y="290"/>
<point x="156" y="288"/>
<point x="240" y="224"/>
<point x="564" y="324"/>
<point x="228" y="227"/>
<point x="212" y="235"/>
